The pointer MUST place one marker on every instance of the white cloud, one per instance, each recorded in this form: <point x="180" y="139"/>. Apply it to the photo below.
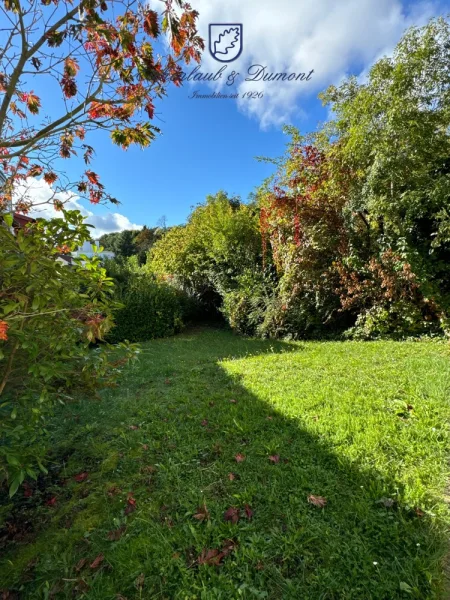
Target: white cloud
<point x="39" y="192"/>
<point x="329" y="36"/>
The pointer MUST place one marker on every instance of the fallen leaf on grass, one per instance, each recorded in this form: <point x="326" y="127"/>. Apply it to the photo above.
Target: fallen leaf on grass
<point x="204" y="423"/>
<point x="232" y="476"/>
<point x="213" y="556"/>
<point x="248" y="512"/>
<point x="81" y="587"/>
<point x="233" y="401"/>
<point x="419" y="512"/>
<point x="97" y="561"/>
<point x="133" y="427"/>
<point x="116" y="534"/>
<point x="80" y="564"/>
<point x="274" y="459"/>
<point x="81" y="476"/>
<point x="239" y="458"/>
<point x="113" y="491"/>
<point x="202" y="513"/>
<point x="131" y="504"/>
<point x="269" y="418"/>
<point x="232" y="515"/>
<point x="210" y="557"/>
<point x="51" y="501"/>
<point x="149" y="469"/>
<point x="318" y="501"/>
<point x="144" y="446"/>
<point x="139" y="582"/>
<point x="228" y="546"/>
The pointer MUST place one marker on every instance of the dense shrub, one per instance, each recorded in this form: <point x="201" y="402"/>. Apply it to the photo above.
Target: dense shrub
<point x="218" y="244"/>
<point x="50" y="314"/>
<point x="151" y="309"/>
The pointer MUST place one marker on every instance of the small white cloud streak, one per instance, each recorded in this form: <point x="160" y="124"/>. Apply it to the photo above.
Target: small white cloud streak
<point x="40" y="193"/>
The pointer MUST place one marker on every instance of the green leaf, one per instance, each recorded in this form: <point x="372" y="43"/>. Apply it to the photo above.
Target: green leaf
<point x="14" y="486"/>
<point x="8" y="218"/>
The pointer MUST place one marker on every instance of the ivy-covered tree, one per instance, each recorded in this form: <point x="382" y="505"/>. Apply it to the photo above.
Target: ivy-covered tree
<point x="393" y="133"/>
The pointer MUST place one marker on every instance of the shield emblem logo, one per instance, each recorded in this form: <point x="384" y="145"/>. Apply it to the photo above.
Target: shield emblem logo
<point x="225" y="41"/>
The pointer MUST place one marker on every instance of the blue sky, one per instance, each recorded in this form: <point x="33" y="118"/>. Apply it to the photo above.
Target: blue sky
<point x="211" y="144"/>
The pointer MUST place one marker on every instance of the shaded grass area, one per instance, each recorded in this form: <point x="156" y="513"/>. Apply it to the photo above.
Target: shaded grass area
<point x="363" y="425"/>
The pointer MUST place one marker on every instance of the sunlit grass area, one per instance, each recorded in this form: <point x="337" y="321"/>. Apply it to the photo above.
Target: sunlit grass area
<point x="224" y="467"/>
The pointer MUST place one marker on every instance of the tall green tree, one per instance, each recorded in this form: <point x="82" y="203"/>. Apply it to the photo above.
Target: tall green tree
<point x="393" y="135"/>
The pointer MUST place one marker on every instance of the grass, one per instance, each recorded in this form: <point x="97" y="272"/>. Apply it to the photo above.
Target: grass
<point x="363" y="425"/>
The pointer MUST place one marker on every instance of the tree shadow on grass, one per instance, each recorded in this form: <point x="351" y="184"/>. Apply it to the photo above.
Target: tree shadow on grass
<point x="164" y="445"/>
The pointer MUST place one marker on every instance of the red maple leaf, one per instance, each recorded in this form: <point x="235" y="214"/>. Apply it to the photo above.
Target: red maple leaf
<point x="131" y="504"/>
<point x="231" y="514"/>
<point x="248" y="512"/>
<point x="93" y="177"/>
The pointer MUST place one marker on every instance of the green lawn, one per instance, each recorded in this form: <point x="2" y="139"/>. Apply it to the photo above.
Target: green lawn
<point x="363" y="425"/>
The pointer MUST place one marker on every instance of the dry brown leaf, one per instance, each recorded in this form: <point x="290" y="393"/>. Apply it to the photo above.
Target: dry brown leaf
<point x="202" y="513"/>
<point x="139" y="582"/>
<point x="131" y="504"/>
<point x="318" y="501"/>
<point x="231" y="514"/>
<point x="97" y="561"/>
<point x="116" y="534"/>
<point x="210" y="557"/>
<point x="248" y="512"/>
<point x="80" y="564"/>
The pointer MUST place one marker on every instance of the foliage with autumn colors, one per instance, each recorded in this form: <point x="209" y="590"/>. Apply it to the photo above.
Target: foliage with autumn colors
<point x="355" y="222"/>
<point x="98" y="63"/>
<point x="99" y="56"/>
